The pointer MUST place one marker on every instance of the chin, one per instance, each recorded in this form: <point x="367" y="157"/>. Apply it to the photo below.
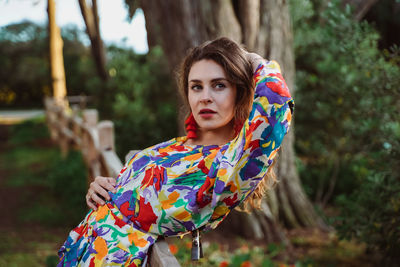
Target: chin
<point x="212" y="126"/>
<point x="208" y="127"/>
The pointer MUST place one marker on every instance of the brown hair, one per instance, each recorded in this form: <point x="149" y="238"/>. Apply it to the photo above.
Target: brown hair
<point x="239" y="71"/>
<point x="267" y="183"/>
<point x="231" y="57"/>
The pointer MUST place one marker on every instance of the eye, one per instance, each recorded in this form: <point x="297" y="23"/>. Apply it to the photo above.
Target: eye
<point x="220" y="85"/>
<point x="196" y="87"/>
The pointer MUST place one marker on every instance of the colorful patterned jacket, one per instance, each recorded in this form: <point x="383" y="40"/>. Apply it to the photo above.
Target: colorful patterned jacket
<point x="172" y="188"/>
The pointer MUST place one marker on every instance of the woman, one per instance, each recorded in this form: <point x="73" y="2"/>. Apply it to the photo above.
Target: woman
<point x="194" y="181"/>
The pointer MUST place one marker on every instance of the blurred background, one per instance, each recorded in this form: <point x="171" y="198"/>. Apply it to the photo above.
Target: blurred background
<point x="110" y="66"/>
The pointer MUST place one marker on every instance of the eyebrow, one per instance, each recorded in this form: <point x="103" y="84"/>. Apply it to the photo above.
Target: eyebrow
<point x="213" y="80"/>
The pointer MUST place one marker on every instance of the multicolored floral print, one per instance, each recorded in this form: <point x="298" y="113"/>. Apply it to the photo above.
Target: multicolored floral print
<point x="172" y="188"/>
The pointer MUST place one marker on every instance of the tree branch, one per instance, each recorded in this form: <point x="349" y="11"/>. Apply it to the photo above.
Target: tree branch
<point x="91" y="19"/>
<point x="361" y="7"/>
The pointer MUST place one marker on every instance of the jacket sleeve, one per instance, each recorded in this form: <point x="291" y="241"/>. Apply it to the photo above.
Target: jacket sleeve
<point x="243" y="162"/>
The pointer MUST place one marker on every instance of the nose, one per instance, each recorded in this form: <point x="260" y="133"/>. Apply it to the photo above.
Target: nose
<point x="206" y="96"/>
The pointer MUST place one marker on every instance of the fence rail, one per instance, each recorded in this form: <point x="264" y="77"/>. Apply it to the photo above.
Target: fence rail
<point x="80" y="129"/>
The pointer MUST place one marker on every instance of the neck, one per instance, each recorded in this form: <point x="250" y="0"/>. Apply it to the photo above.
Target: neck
<point x="218" y="136"/>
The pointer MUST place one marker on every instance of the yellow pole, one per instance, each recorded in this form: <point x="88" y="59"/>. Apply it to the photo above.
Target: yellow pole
<point x="56" y="57"/>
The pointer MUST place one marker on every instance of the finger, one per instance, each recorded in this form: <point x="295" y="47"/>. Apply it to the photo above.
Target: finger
<point x="111" y="185"/>
<point x="99" y="188"/>
<point x="99" y="178"/>
<point x="100" y="192"/>
<point x="112" y="181"/>
<point x="97" y="199"/>
<point x="90" y="204"/>
<point x="255" y="60"/>
<point x="107" y="183"/>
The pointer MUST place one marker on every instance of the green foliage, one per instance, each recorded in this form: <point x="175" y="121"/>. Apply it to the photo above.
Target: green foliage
<point x="25" y="71"/>
<point x="347" y="95"/>
<point x="144" y="106"/>
<point x="28" y="132"/>
<point x="19" y="259"/>
<point x="139" y="96"/>
<point x="24" y="65"/>
<point x="80" y="70"/>
<point x="51" y="186"/>
<point x="371" y="214"/>
<point x="245" y="256"/>
<point x="52" y="261"/>
<point x="64" y="202"/>
<point x="347" y="124"/>
<point x="30" y="246"/>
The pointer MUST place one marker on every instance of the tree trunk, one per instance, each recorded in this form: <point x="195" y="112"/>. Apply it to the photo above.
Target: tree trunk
<point x="264" y="27"/>
<point x="288" y="203"/>
<point x="56" y="57"/>
<point x="361" y="7"/>
<point x="91" y="18"/>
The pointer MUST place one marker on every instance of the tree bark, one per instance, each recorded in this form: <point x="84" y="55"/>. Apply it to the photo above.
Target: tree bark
<point x="178" y="25"/>
<point x="264" y="27"/>
<point x="249" y="22"/>
<point x="56" y="57"/>
<point x="91" y="18"/>
<point x="295" y="209"/>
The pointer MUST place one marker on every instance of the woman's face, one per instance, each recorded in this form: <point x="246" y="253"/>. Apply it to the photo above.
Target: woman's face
<point x="211" y="96"/>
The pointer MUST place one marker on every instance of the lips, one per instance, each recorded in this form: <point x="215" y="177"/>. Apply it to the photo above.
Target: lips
<point x="207" y="111"/>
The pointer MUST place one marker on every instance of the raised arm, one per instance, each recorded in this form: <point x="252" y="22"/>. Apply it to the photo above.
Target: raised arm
<point x="244" y="161"/>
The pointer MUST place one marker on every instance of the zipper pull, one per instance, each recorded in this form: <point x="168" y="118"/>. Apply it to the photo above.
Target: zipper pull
<point x="197" y="249"/>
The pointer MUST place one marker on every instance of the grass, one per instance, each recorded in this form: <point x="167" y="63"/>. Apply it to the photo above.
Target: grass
<point x="308" y="248"/>
<point x="246" y="255"/>
<point x="24" y="246"/>
<point x="49" y="184"/>
<point x="28" y="165"/>
<point x="43" y="192"/>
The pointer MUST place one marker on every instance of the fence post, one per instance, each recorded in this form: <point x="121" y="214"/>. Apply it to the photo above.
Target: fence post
<point x="56" y="123"/>
<point x="106" y="135"/>
<point x="50" y="117"/>
<point x="90" y="117"/>
<point x="90" y="142"/>
<point x="77" y="124"/>
<point x="63" y="127"/>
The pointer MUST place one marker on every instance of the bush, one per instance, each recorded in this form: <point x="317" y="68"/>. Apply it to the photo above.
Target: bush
<point x="24" y="53"/>
<point x="371" y="214"/>
<point x="144" y="108"/>
<point x="347" y="126"/>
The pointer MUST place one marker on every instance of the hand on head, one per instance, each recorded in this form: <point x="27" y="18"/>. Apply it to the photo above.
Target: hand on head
<point x="254" y="59"/>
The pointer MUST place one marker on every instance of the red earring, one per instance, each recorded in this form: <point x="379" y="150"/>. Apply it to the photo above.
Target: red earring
<point x="237" y="127"/>
<point x="191" y="127"/>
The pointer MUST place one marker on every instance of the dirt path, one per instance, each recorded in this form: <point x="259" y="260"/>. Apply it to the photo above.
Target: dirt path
<point x="22" y="244"/>
<point x="9" y="196"/>
<point x="16" y="116"/>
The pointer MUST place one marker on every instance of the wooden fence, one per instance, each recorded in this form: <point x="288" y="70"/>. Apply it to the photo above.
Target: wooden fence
<point x="80" y="129"/>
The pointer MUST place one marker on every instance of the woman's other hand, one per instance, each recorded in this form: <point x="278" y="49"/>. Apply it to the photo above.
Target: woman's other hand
<point x="254" y="59"/>
<point x="98" y="191"/>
